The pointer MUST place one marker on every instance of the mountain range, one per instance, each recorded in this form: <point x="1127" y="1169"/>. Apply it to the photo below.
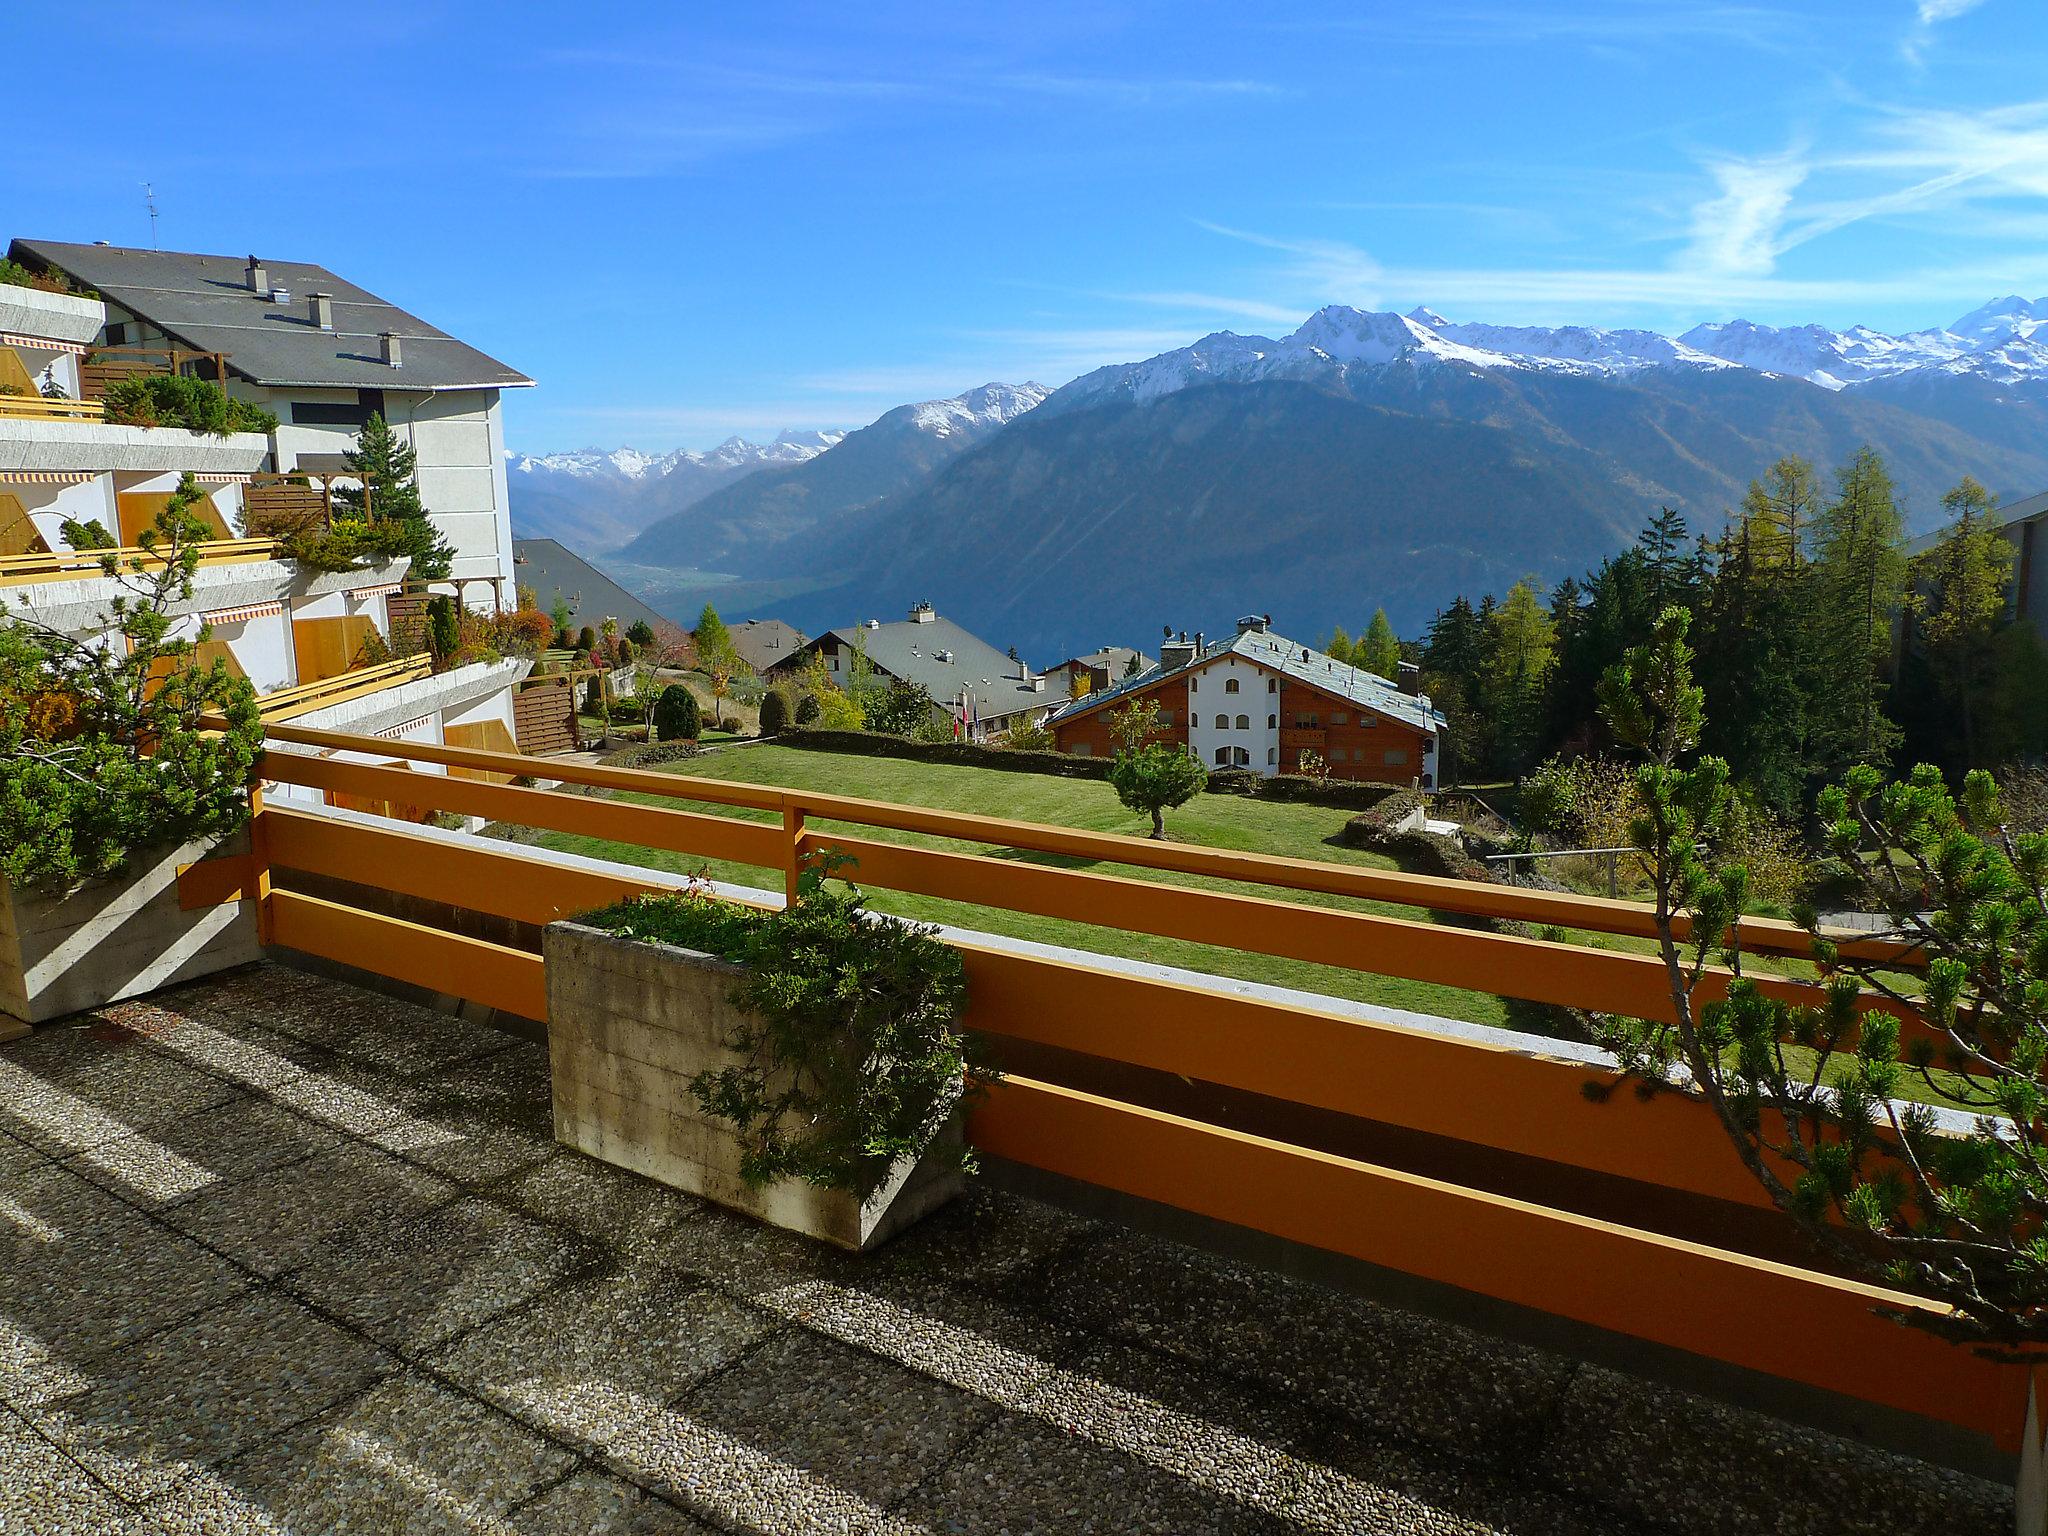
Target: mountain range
<point x="1366" y="459"/>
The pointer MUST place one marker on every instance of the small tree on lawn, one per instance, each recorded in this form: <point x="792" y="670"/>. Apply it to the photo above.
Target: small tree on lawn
<point x="608" y="633"/>
<point x="119" y="739"/>
<point x="718" y="659"/>
<point x="676" y="716"/>
<point x="777" y="712"/>
<point x="1808" y="1094"/>
<point x="382" y="462"/>
<point x="1149" y="775"/>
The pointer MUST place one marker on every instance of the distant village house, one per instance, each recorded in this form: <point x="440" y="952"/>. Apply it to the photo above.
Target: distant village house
<point x="1263" y="702"/>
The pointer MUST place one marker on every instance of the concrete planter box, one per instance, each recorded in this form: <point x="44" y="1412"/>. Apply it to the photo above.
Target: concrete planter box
<point x="111" y="939"/>
<point x="629" y="1024"/>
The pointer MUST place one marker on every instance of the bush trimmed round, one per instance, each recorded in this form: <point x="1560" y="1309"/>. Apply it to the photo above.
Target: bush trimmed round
<point x="676" y="716"/>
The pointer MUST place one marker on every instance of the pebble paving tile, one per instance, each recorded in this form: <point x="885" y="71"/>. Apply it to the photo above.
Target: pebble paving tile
<point x="409" y="1458"/>
<point x="291" y="1216"/>
<point x="281" y="1256"/>
<point x="76" y="1085"/>
<point x="215" y="1385"/>
<point x="81" y="1273"/>
<point x="414" y="1285"/>
<point x="598" y="1354"/>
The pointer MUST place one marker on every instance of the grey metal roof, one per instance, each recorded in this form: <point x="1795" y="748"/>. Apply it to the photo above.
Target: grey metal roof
<point x="592" y="596"/>
<point x="910" y="650"/>
<point x="1303" y="663"/>
<point x="205" y="302"/>
<point x="762" y="643"/>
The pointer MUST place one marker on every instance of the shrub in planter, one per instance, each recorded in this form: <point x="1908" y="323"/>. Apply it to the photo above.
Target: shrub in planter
<point x="101" y="750"/>
<point x="177" y="400"/>
<point x="120" y="755"/>
<point x="835" y="1062"/>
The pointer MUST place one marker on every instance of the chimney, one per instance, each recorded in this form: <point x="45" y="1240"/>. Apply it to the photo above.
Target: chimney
<point x="392" y="355"/>
<point x="922" y="614"/>
<point x="320" y="310"/>
<point x="1175" y="653"/>
<point x="1252" y="623"/>
<point x="259" y="279"/>
<point x="1201" y="642"/>
<point x="1410" y="680"/>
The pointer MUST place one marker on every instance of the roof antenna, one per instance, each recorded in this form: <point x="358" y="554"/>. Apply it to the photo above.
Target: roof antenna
<point x="149" y="195"/>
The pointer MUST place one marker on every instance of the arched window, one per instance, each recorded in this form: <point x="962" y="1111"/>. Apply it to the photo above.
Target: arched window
<point x="1244" y="722"/>
<point x="1272" y="685"/>
<point x="1230" y="685"/>
<point x="1272" y="757"/>
<point x="1223" y="757"/>
<point x="1272" y="722"/>
<point x="1240" y="758"/>
<point x="1223" y="722"/>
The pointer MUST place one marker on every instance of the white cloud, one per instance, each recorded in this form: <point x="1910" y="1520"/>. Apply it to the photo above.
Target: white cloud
<point x="1736" y="232"/>
<point x="1934" y="11"/>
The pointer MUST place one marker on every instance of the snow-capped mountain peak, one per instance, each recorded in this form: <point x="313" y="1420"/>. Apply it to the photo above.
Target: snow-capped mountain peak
<point x="2005" y="342"/>
<point x="991" y="405"/>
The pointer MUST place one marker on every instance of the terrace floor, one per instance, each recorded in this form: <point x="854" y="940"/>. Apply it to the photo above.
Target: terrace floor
<point x="278" y="1254"/>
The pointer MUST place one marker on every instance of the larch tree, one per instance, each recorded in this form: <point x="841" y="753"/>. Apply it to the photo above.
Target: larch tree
<point x="1859" y="586"/>
<point x="1965" y="577"/>
<point x="1379" y="651"/>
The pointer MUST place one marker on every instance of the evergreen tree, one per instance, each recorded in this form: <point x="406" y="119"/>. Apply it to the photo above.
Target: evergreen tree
<point x="1780" y="510"/>
<point x="1859" y="585"/>
<point x="387" y="466"/>
<point x="1518" y="669"/>
<point x="1340" y="646"/>
<point x="1670" y="559"/>
<point x="1379" y="652"/>
<point x="1751" y="625"/>
<point x="1964" y="578"/>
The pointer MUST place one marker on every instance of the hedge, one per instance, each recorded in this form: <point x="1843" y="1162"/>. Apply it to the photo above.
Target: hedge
<point x="966" y="754"/>
<point x="646" y="754"/>
<point x="1344" y="794"/>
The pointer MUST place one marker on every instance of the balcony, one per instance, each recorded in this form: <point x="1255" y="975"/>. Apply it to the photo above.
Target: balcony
<point x="72" y="565"/>
<point x="109" y="365"/>
<point x="288" y="1254"/>
<point x="40" y="408"/>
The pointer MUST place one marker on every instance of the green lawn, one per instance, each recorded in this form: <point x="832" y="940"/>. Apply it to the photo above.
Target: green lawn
<point x="1217" y="821"/>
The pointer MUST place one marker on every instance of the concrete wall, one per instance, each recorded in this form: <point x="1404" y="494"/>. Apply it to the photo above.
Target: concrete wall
<point x="117" y="938"/>
<point x="629" y="1024"/>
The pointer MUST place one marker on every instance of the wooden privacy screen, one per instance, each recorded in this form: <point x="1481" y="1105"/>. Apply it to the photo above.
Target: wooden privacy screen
<point x="544" y="719"/>
<point x="325" y="648"/>
<point x="486" y="736"/>
<point x="139" y="509"/>
<point x="18" y="535"/>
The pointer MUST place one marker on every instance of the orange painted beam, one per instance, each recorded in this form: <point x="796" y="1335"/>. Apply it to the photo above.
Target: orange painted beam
<point x="216" y="881"/>
<point x="1473" y="1091"/>
<point x="1505" y="965"/>
<point x="497" y="881"/>
<point x="648" y="826"/>
<point x="1773" y="1318"/>
<point x="449" y="963"/>
<point x="1471" y="898"/>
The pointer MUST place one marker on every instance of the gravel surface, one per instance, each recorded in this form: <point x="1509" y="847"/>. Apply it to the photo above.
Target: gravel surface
<point x="280" y="1256"/>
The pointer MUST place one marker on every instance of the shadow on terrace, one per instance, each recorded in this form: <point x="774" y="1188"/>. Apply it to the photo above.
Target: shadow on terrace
<point x="285" y="1255"/>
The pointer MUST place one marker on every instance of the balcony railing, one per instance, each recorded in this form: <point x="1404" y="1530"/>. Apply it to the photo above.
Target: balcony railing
<point x="109" y="365"/>
<point x="295" y="502"/>
<point x="42" y="408"/>
<point x="289" y="703"/>
<point x="18" y="570"/>
<point x="1633" y="1215"/>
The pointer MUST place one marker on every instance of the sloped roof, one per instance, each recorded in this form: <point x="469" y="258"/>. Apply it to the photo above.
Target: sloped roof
<point x="592" y="596"/>
<point x="910" y="650"/>
<point x="761" y="643"/>
<point x="1303" y="663"/>
<point x="205" y="302"/>
<point x="1112" y="658"/>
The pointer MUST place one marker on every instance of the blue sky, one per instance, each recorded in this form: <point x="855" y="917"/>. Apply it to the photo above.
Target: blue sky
<point x="690" y="221"/>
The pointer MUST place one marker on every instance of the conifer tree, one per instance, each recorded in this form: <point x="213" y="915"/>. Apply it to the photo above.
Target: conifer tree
<point x="1779" y="511"/>
<point x="1340" y="645"/>
<point x="387" y="466"/>
<point x="1379" y="651"/>
<point x="1859" y="586"/>
<point x="1516" y="674"/>
<point x="1965" y="577"/>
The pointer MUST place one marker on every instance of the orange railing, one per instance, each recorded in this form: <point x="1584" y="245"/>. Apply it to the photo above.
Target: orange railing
<point x="71" y="564"/>
<point x="1468" y="1162"/>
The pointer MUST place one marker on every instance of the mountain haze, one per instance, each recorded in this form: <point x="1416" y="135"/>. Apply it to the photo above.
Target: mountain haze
<point x="1366" y="459"/>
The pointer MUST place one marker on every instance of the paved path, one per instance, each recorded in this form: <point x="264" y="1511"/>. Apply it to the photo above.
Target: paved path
<point x="277" y="1254"/>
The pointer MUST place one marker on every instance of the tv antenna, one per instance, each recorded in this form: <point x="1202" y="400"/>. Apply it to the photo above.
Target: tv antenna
<point x="149" y="195"/>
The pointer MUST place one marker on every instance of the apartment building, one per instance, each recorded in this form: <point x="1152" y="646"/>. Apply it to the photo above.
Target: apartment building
<point x="1260" y="701"/>
<point x="297" y="634"/>
<point x="321" y="354"/>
